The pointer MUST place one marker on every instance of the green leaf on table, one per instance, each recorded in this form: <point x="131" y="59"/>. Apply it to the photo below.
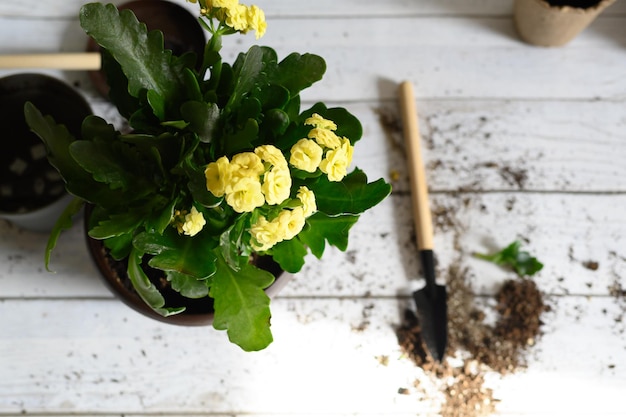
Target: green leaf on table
<point x="321" y="228"/>
<point x="148" y="68"/>
<point x="520" y="261"/>
<point x="148" y="292"/>
<point x="353" y="195"/>
<point x="180" y="253"/>
<point x="242" y="307"/>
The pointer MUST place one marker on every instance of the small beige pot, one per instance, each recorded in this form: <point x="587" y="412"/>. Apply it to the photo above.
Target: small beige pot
<point x="539" y="23"/>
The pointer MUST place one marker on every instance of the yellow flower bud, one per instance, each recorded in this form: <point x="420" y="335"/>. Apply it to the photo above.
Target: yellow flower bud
<point x="228" y="4"/>
<point x="256" y="21"/>
<point x="325" y="137"/>
<point x="237" y="17"/>
<point x="272" y="155"/>
<point x="194" y="221"/>
<point x="306" y="155"/>
<point x="276" y="185"/>
<point x="291" y="222"/>
<point x="218" y="175"/>
<point x="247" y="164"/>
<point x="307" y="198"/>
<point x="318" y="121"/>
<point x="336" y="162"/>
<point x="245" y="195"/>
<point x="264" y="234"/>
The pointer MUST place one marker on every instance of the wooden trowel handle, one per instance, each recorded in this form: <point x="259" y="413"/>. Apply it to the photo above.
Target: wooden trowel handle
<point x="417" y="176"/>
<point x="64" y="61"/>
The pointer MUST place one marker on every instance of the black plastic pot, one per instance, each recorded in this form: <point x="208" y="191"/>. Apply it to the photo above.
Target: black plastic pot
<point x="32" y="193"/>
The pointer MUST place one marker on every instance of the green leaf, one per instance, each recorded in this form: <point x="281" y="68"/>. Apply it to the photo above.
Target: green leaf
<point x="112" y="163"/>
<point x="118" y="224"/>
<point x="242" y="139"/>
<point x="290" y="255"/>
<point x="203" y="118"/>
<point x="241" y="305"/>
<point x="119" y="246"/>
<point x="297" y="72"/>
<point x="251" y="70"/>
<point x="321" y="228"/>
<point x="353" y="195"/>
<point x="148" y="292"/>
<point x="520" y="261"/>
<point x="64" y="222"/>
<point x="188" y="286"/>
<point x="96" y="127"/>
<point x="144" y="61"/>
<point x="57" y="140"/>
<point x="174" y="252"/>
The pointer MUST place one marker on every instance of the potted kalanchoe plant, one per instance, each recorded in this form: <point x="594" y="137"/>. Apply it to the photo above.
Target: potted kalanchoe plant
<point x="221" y="165"/>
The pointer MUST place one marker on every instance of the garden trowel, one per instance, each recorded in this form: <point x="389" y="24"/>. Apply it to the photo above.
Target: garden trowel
<point x="431" y="301"/>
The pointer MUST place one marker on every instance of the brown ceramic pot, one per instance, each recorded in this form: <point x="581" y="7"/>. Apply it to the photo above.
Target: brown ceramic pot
<point x="181" y="32"/>
<point x="32" y="193"/>
<point x="198" y="312"/>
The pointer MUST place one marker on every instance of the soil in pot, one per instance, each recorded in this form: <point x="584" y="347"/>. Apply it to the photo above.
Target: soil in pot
<point x="198" y="312"/>
<point x="580" y="4"/>
<point x="181" y="32"/>
<point x="27" y="180"/>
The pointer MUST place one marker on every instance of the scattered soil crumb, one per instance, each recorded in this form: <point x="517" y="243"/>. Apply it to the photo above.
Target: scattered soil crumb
<point x="514" y="176"/>
<point x="592" y="265"/>
<point x="478" y="348"/>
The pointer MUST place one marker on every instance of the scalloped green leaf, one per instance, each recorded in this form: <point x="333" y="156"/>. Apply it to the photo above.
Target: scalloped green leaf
<point x="188" y="286"/>
<point x="174" y="252"/>
<point x="242" y="307"/>
<point x="203" y="119"/>
<point x="297" y="72"/>
<point x="149" y="67"/>
<point x="353" y="195"/>
<point x="321" y="228"/>
<point x="290" y="255"/>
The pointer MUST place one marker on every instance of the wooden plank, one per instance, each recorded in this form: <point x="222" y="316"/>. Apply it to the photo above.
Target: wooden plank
<point x="566" y="232"/>
<point x="443" y="57"/>
<point x="325" y="360"/>
<point x="530" y="145"/>
<point x="326" y="8"/>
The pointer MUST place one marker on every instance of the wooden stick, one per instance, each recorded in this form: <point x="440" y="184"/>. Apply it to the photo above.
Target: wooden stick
<point x="65" y="61"/>
<point x="417" y="175"/>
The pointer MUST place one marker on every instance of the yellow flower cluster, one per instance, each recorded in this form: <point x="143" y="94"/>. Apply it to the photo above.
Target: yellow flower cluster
<point x="289" y="222"/>
<point x="322" y="149"/>
<point x="189" y="223"/>
<point x="250" y="179"/>
<point x="240" y="17"/>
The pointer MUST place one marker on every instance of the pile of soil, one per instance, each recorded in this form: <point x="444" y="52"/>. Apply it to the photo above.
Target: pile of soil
<point x="482" y="347"/>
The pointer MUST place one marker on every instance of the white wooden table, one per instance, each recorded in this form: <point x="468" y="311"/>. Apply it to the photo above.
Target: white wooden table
<point x="487" y="103"/>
